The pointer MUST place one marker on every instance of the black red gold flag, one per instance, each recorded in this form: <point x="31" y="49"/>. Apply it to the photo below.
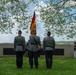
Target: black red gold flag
<point x="33" y="24"/>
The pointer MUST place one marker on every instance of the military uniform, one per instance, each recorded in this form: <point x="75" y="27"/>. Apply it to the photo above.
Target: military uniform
<point x="48" y="46"/>
<point x="33" y="50"/>
<point x="19" y="46"/>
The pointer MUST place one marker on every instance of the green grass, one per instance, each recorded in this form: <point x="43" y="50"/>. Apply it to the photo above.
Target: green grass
<point x="61" y="66"/>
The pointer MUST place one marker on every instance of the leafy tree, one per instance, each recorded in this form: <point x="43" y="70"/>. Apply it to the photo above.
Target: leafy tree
<point x="13" y="13"/>
<point x="59" y="17"/>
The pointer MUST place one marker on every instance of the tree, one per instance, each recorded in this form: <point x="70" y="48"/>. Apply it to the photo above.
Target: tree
<point x="59" y="17"/>
<point x="13" y="13"/>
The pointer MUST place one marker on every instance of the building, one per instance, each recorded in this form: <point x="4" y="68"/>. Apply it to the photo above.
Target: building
<point x="61" y="50"/>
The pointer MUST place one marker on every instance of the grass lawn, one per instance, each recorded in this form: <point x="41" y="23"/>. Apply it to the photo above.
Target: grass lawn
<point x="61" y="66"/>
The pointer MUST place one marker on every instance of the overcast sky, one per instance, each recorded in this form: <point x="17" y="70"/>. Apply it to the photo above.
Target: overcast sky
<point x="9" y="38"/>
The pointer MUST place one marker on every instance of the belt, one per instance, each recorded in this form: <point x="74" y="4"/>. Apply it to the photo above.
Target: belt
<point x="33" y="44"/>
<point x="49" y="46"/>
<point x="20" y="44"/>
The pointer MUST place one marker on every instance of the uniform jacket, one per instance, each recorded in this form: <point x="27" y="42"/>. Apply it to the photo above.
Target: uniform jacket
<point x="19" y="43"/>
<point x="34" y="43"/>
<point x="48" y="43"/>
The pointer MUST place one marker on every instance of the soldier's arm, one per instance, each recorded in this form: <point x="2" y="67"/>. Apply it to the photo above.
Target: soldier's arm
<point x="14" y="43"/>
<point x="39" y="42"/>
<point x="54" y="43"/>
<point x="43" y="44"/>
<point x="24" y="43"/>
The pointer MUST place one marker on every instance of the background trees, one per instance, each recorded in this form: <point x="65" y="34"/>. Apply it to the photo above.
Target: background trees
<point x="58" y="16"/>
<point x="13" y="14"/>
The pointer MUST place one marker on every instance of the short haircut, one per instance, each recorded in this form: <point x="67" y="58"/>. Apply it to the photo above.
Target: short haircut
<point x="48" y="33"/>
<point x="19" y="31"/>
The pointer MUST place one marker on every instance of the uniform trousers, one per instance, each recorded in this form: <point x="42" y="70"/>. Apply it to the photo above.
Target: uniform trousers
<point x="49" y="58"/>
<point x="19" y="59"/>
<point x="33" y="58"/>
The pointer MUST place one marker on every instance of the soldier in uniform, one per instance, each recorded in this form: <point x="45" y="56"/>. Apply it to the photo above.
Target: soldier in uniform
<point x="19" y="46"/>
<point x="49" y="46"/>
<point x="33" y="49"/>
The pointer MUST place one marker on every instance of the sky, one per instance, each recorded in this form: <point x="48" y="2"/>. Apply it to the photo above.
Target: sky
<point x="9" y="38"/>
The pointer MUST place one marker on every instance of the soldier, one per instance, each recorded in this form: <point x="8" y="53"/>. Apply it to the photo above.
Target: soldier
<point x="49" y="46"/>
<point x="33" y="49"/>
<point x="19" y="46"/>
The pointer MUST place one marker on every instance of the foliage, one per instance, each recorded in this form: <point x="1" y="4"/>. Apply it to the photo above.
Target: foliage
<point x="59" y="17"/>
<point x="61" y="66"/>
<point x="13" y="14"/>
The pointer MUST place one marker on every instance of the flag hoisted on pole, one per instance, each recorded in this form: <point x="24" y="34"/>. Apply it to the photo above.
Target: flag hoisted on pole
<point x="33" y="24"/>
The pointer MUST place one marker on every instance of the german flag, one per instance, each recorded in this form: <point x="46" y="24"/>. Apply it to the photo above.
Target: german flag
<point x="33" y="24"/>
